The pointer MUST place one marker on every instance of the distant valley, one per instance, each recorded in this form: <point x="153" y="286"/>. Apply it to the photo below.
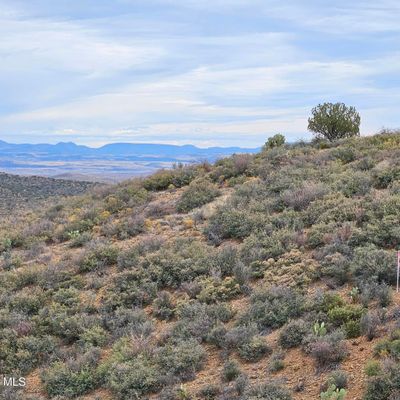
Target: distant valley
<point x="109" y="163"/>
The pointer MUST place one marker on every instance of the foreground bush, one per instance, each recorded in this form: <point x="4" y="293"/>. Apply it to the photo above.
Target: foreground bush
<point x="73" y="378"/>
<point x="272" y="308"/>
<point x="197" y="194"/>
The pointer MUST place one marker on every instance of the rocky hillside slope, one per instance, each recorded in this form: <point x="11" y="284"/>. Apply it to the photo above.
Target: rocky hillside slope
<point x="263" y="276"/>
<point x="17" y="192"/>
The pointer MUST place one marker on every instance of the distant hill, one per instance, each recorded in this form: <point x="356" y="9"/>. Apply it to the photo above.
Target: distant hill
<point x="19" y="191"/>
<point x="112" y="162"/>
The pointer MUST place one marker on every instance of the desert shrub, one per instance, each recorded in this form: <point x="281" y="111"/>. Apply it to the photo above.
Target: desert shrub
<point x="378" y="388"/>
<point x="272" y="308"/>
<point x="29" y="300"/>
<point x="128" y="258"/>
<point x="254" y="349"/>
<point x="214" y="289"/>
<point x="164" y="306"/>
<point x="72" y="378"/>
<point x="231" y="167"/>
<point x="128" y="289"/>
<point x="10" y="261"/>
<point x="327" y="301"/>
<point x="239" y="335"/>
<point x="373" y="368"/>
<point x="98" y="255"/>
<point x="384" y="175"/>
<point x="241" y="384"/>
<point x="292" y="334"/>
<point x="217" y="336"/>
<point x="24" y="352"/>
<point x="124" y="321"/>
<point x="336" y="266"/>
<point x="300" y="198"/>
<point x="354" y="184"/>
<point x="130" y="227"/>
<point x="209" y="392"/>
<point x="78" y="239"/>
<point x="177" y="177"/>
<point x="182" y="261"/>
<point x="197" y="320"/>
<point x="369" y="325"/>
<point x="94" y="336"/>
<point x="132" y="379"/>
<point x="352" y="329"/>
<point x="65" y="323"/>
<point x="344" y="154"/>
<point x="274" y="141"/>
<point x="348" y="318"/>
<point x="131" y="195"/>
<point x="159" y="181"/>
<point x="318" y="234"/>
<point x="268" y="391"/>
<point x="373" y="264"/>
<point x="261" y="246"/>
<point x="197" y="194"/>
<point x="69" y="297"/>
<point x="384" y="232"/>
<point x="182" y="359"/>
<point x="291" y="269"/>
<point x="276" y="362"/>
<point x="228" y="222"/>
<point x="339" y="379"/>
<point x="329" y="350"/>
<point x="230" y="371"/>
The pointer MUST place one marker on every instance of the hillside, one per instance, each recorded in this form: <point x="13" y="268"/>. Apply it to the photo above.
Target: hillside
<point x="264" y="276"/>
<point x="18" y="192"/>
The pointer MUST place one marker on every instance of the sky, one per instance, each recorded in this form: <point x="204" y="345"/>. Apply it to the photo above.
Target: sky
<point x="220" y="72"/>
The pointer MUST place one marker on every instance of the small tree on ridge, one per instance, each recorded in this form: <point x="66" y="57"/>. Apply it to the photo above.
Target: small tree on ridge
<point x="334" y="121"/>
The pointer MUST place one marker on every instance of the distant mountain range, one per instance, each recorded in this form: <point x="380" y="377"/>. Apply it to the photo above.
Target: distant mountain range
<point x="119" y="151"/>
<point x="111" y="162"/>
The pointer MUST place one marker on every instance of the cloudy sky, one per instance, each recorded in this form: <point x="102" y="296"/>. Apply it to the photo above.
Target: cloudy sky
<point x="220" y="72"/>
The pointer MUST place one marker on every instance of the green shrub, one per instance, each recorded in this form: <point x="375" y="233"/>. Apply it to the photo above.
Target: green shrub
<point x="352" y="329"/>
<point x="272" y="308"/>
<point x="95" y="336"/>
<point x="209" y="392"/>
<point x="164" y="306"/>
<point x="369" y="325"/>
<point x="341" y="315"/>
<point x="373" y="368"/>
<point x="269" y="391"/>
<point x="213" y="289"/>
<point x="293" y="333"/>
<point x="97" y="256"/>
<point x="373" y="264"/>
<point x="254" y="349"/>
<point x="197" y="194"/>
<point x="230" y="371"/>
<point x="133" y="379"/>
<point x="274" y="141"/>
<point x="73" y="378"/>
<point x="300" y="198"/>
<point x="378" y="388"/>
<point x="339" y="379"/>
<point x="276" y="362"/>
<point x="181" y="359"/>
<point x="229" y="222"/>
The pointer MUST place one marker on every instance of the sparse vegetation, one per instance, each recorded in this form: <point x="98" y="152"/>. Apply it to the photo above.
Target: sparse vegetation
<point x="130" y="291"/>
